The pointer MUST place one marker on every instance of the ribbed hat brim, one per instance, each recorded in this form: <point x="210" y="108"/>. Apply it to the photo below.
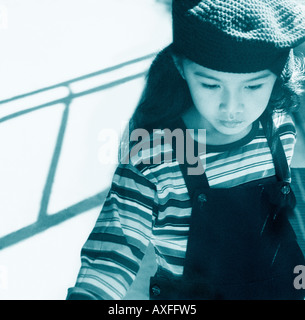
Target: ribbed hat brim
<point x="237" y="36"/>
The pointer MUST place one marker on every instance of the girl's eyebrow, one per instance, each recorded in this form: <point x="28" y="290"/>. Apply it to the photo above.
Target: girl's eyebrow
<point x="263" y="76"/>
<point x="204" y="75"/>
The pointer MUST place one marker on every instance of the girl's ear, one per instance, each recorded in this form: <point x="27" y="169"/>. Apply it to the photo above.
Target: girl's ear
<point x="179" y="65"/>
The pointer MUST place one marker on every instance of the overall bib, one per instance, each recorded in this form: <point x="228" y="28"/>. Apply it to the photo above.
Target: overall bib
<point x="241" y="245"/>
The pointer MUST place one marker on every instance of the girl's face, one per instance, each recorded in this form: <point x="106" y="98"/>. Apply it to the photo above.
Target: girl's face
<point x="227" y="103"/>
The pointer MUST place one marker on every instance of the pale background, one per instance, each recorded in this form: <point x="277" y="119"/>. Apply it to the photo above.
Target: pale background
<point x="49" y="156"/>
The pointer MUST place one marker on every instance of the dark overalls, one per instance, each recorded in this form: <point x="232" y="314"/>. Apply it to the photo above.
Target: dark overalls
<point x="240" y="244"/>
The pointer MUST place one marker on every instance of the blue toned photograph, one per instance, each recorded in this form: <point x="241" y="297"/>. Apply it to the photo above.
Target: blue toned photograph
<point x="152" y="150"/>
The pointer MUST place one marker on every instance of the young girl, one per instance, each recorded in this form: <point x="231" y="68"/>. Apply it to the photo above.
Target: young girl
<point x="222" y="233"/>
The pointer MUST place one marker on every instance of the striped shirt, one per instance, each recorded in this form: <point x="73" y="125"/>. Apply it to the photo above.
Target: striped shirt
<point x="149" y="202"/>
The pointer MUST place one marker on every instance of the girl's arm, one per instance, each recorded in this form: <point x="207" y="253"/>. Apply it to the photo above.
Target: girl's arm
<point x="112" y="254"/>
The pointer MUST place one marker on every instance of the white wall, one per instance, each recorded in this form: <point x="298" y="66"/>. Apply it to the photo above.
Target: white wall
<point x="45" y="42"/>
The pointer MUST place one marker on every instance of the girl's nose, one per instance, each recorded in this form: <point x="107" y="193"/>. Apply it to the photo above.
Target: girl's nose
<point x="231" y="105"/>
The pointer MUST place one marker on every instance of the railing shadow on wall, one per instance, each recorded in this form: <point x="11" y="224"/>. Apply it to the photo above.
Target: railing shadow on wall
<point x="44" y="220"/>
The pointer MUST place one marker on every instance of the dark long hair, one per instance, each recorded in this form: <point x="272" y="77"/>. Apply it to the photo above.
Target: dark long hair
<point x="288" y="88"/>
<point x="166" y="94"/>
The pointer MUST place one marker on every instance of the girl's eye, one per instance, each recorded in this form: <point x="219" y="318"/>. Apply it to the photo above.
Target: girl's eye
<point x="210" y="86"/>
<point x="255" y="87"/>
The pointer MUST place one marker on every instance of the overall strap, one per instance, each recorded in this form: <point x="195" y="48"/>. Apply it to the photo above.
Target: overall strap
<point x="194" y="182"/>
<point x="282" y="170"/>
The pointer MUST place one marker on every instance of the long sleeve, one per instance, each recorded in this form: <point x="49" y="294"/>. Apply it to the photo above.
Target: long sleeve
<point x="112" y="254"/>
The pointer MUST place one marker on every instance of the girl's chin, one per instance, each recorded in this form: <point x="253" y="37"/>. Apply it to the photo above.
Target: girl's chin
<point x="231" y="128"/>
<point x="229" y="131"/>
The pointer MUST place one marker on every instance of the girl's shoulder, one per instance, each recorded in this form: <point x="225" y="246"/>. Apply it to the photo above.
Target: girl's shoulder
<point x="151" y="148"/>
<point x="153" y="156"/>
<point x="146" y="150"/>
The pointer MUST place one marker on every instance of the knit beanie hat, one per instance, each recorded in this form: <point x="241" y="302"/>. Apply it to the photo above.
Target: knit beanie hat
<point x="239" y="36"/>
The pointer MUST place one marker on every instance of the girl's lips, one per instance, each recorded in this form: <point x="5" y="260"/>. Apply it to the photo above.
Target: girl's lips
<point x="230" y="123"/>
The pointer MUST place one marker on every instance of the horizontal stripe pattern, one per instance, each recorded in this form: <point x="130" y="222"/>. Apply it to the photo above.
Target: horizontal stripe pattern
<point x="150" y="203"/>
